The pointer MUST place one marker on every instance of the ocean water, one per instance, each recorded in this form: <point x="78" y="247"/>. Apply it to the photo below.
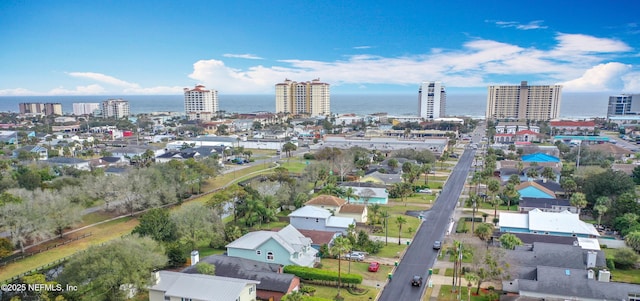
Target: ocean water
<point x="573" y="105"/>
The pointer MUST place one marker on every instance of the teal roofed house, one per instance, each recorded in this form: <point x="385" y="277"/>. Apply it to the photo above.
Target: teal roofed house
<point x="532" y="189"/>
<point x="540" y="157"/>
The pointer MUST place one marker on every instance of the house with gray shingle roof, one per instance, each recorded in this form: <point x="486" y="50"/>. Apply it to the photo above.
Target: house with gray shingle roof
<point x="273" y="283"/>
<point x="286" y="247"/>
<point x="314" y="218"/>
<point x="174" y="286"/>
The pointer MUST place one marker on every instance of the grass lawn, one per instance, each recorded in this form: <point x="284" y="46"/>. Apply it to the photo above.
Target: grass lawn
<point x="446" y="294"/>
<point x="294" y="166"/>
<point x="421" y="198"/>
<point x="392" y="249"/>
<point x="618" y="275"/>
<point x="361" y="268"/>
<point x="222" y="180"/>
<point x="448" y="272"/>
<point x="329" y="292"/>
<point x="100" y="234"/>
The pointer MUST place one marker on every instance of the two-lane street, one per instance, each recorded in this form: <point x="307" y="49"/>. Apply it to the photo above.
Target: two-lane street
<point x="420" y="256"/>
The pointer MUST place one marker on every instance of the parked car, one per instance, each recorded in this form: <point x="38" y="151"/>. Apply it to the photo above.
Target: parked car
<point x="437" y="245"/>
<point x="426" y="190"/>
<point x="357" y="256"/>
<point x="416" y="281"/>
<point x="374" y="266"/>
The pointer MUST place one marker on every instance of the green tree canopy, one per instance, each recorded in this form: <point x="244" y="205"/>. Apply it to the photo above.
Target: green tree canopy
<point x="510" y="241"/>
<point x="157" y="224"/>
<point x="100" y="272"/>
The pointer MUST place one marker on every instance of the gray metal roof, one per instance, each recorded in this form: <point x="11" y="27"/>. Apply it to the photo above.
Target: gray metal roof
<point x="200" y="287"/>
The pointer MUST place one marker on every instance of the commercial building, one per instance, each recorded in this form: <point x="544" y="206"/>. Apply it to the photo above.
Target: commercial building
<point x="115" y="108"/>
<point x="306" y="98"/>
<point x="85" y="108"/>
<point x="200" y="103"/>
<point x="37" y="108"/>
<point x="620" y="105"/>
<point x="432" y="99"/>
<point x="524" y="102"/>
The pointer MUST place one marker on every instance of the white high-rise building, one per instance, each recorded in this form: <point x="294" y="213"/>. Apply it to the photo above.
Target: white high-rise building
<point x="85" y="108"/>
<point x="310" y="98"/>
<point x="115" y="108"/>
<point x="524" y="102"/>
<point x="432" y="100"/>
<point x="200" y="103"/>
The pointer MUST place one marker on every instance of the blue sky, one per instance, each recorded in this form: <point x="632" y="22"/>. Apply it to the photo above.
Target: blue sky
<point x="246" y="47"/>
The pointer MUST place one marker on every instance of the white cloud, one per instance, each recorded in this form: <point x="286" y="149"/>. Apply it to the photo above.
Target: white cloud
<point x="17" y="92"/>
<point x="602" y="77"/>
<point x="474" y="65"/>
<point x="579" y="43"/>
<point x="631" y="82"/>
<point x="581" y="62"/>
<point x="243" y="56"/>
<point x="79" y="90"/>
<point x="362" y="47"/>
<point x="99" y="77"/>
<point x="537" y="24"/>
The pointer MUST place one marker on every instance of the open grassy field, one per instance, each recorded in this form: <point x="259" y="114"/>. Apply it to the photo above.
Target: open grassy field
<point x="329" y="292"/>
<point x="99" y="234"/>
<point x="360" y="268"/>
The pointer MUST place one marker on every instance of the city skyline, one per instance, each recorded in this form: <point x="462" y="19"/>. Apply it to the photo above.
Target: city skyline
<point x="160" y="47"/>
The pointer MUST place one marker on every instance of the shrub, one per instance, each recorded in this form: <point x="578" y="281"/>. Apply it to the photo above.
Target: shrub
<point x="625" y="258"/>
<point x="308" y="156"/>
<point x="322" y="275"/>
<point x="610" y="264"/>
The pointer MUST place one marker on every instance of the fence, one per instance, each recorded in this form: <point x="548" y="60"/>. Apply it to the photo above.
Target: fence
<point x="11" y="259"/>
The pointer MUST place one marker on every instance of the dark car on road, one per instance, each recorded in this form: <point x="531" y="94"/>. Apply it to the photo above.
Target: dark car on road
<point x="416" y="281"/>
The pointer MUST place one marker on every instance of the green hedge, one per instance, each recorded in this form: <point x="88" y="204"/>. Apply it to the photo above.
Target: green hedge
<point x="468" y="219"/>
<point x="322" y="275"/>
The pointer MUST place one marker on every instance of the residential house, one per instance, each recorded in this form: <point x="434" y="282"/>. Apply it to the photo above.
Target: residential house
<point x="69" y="162"/>
<point x="8" y="137"/>
<point x="519" y="137"/>
<point x="549" y="223"/>
<point x="382" y="178"/>
<point x="339" y="207"/>
<point x="177" y="155"/>
<point x="105" y="162"/>
<point x="39" y="152"/>
<point x="513" y="127"/>
<point x="617" y="152"/>
<point x="286" y="247"/>
<point x="568" y="127"/>
<point x="625" y="168"/>
<point x="563" y="272"/>
<point x="358" y="212"/>
<point x="552" y="186"/>
<point x="540" y="157"/>
<point x="368" y="193"/>
<point x="314" y="218"/>
<point x="548" y="205"/>
<point x="272" y="282"/>
<point x="319" y="238"/>
<point x="530" y="189"/>
<point x="174" y="286"/>
<point x="329" y="202"/>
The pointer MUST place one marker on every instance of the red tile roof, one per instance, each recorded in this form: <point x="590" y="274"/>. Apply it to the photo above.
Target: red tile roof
<point x="572" y="123"/>
<point x="527" y="132"/>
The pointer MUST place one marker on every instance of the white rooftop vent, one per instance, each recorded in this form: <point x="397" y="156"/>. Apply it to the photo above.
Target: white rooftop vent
<point x="604" y="276"/>
<point x="591" y="259"/>
<point x="590" y="274"/>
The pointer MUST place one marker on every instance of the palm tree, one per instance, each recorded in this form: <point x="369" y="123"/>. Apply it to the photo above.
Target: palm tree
<point x="484" y="231"/>
<point x="400" y="221"/>
<point x="548" y="173"/>
<point x="350" y="194"/>
<point x="532" y="173"/>
<point x="601" y="207"/>
<point x="374" y="209"/>
<point x="510" y="193"/>
<point x="426" y="169"/>
<point x="578" y="200"/>
<point x="385" y="215"/>
<point x="340" y="245"/>
<point x="392" y="163"/>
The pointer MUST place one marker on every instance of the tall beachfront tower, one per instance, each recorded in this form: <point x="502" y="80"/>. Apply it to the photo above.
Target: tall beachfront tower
<point x="312" y="97"/>
<point x="624" y="104"/>
<point x="524" y="102"/>
<point x="200" y="103"/>
<point x="432" y="100"/>
<point x="115" y="108"/>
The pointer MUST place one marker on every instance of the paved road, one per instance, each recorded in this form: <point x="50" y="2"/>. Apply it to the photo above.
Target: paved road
<point x="420" y="255"/>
